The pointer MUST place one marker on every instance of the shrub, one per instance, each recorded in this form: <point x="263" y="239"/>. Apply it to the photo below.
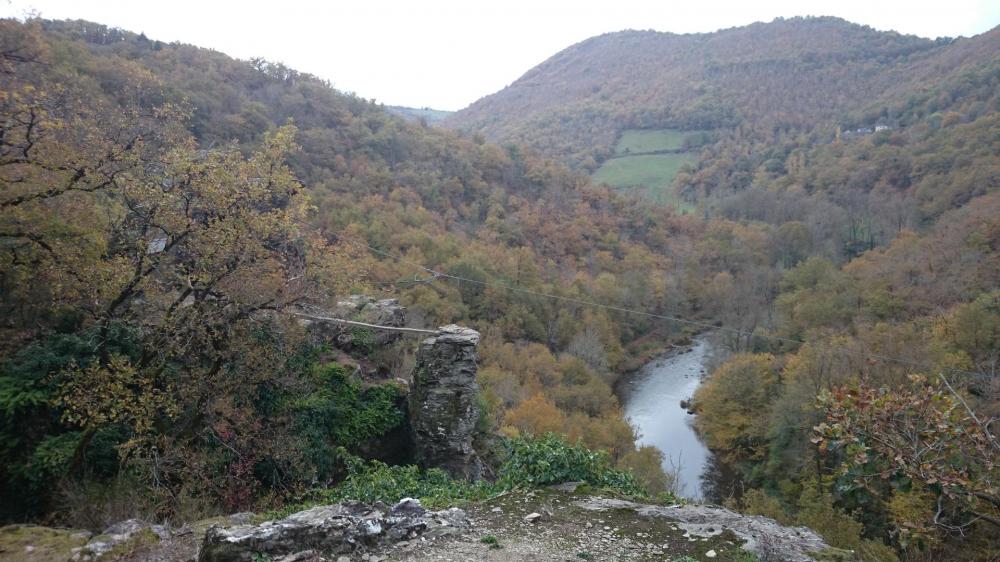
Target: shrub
<point x="36" y="447"/>
<point x="550" y="460"/>
<point x="378" y="481"/>
<point x="492" y="541"/>
<point x="340" y="413"/>
<point x="529" y="462"/>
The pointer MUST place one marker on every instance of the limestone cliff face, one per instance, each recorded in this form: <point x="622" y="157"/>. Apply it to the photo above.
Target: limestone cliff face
<point x="443" y="409"/>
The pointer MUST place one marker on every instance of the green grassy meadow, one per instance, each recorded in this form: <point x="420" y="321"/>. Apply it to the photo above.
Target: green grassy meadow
<point x="633" y="168"/>
<point x="649" y="170"/>
<point x="635" y="141"/>
<point x="651" y="174"/>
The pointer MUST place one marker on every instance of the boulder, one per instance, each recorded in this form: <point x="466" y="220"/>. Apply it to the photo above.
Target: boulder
<point x="121" y="536"/>
<point x="329" y="530"/>
<point x="443" y="406"/>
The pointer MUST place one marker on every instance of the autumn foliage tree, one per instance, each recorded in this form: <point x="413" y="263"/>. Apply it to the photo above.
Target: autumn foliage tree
<point x="914" y="446"/>
<point x="169" y="264"/>
<point x="736" y="403"/>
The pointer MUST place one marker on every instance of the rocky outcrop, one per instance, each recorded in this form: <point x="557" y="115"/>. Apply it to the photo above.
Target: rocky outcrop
<point x="120" y="536"/>
<point x="443" y="408"/>
<point x="544" y="525"/>
<point x="330" y="530"/>
<point x="763" y="536"/>
<point x="360" y="308"/>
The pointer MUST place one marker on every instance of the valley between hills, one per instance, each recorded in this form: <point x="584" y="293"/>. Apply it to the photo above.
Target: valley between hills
<point x="247" y="316"/>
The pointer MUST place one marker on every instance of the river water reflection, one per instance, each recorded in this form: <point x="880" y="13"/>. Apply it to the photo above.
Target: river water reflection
<point x="652" y="399"/>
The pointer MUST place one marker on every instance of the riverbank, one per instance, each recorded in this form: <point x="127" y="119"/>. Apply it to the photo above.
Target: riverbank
<point x="652" y="397"/>
<point x="655" y="344"/>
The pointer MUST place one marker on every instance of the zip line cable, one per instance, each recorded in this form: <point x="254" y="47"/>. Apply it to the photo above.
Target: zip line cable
<point x="701" y="324"/>
<point x="363" y="324"/>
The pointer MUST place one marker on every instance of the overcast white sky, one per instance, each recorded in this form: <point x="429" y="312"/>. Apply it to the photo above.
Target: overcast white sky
<point x="446" y="54"/>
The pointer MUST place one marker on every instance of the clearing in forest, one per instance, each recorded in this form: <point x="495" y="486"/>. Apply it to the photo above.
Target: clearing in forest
<point x="639" y="141"/>
<point x="646" y="160"/>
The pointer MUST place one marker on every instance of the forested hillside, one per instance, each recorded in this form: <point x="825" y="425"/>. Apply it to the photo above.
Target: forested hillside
<point x="162" y="206"/>
<point x="419" y="114"/>
<point x="131" y="302"/>
<point x="765" y="81"/>
<point x="862" y="170"/>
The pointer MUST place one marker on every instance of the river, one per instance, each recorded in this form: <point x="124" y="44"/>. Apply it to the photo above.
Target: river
<point x="652" y="397"/>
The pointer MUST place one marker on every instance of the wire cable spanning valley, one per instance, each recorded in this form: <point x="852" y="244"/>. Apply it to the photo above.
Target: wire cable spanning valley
<point x="686" y="321"/>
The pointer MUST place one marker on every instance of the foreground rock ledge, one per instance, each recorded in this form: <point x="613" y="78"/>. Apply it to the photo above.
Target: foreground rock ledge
<point x="330" y="529"/>
<point x="764" y="536"/>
